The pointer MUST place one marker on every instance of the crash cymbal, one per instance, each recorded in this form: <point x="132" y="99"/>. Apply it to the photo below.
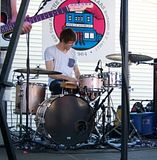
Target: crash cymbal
<point x="37" y="71"/>
<point x="114" y="57"/>
<point x="133" y="58"/>
<point x="139" y="57"/>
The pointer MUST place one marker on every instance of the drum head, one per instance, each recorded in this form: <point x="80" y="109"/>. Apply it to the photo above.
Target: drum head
<point x="69" y="120"/>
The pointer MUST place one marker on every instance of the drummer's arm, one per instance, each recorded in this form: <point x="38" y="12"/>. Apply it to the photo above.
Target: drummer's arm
<point x="77" y="72"/>
<point x="50" y="67"/>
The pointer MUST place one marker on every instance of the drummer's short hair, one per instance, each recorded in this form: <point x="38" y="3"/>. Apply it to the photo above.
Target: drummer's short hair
<point x="67" y="35"/>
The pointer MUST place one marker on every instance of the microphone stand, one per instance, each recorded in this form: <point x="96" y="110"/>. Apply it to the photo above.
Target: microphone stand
<point x="27" y="86"/>
<point x="26" y="137"/>
<point x="42" y="4"/>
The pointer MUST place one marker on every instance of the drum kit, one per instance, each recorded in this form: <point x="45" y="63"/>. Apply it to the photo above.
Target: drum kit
<point x="69" y="119"/>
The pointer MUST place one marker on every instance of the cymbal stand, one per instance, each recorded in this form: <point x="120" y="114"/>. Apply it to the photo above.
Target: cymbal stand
<point x="109" y="107"/>
<point x="106" y="113"/>
<point x="27" y="137"/>
<point x="103" y="140"/>
<point x="115" y="128"/>
<point x="25" y="132"/>
<point x="21" y="94"/>
<point x="97" y="106"/>
<point x="27" y="88"/>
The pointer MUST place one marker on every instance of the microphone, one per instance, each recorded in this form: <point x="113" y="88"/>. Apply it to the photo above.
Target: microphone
<point x="97" y="67"/>
<point x="20" y="76"/>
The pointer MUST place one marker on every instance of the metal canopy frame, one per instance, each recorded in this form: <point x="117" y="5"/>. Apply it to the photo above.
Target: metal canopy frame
<point x="8" y="63"/>
<point x="125" y="82"/>
<point x="5" y="73"/>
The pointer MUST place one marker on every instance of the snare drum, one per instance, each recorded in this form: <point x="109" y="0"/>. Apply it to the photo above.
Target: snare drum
<point x="70" y="87"/>
<point x="36" y="96"/>
<point x="90" y="83"/>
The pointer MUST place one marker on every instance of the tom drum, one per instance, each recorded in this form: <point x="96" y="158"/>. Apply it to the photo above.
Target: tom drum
<point x="36" y="96"/>
<point x="112" y="79"/>
<point x="90" y="83"/>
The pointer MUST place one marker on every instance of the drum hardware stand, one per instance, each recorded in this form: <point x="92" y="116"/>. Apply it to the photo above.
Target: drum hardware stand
<point x="105" y="130"/>
<point x="109" y="107"/>
<point x="85" y="93"/>
<point x="20" y="82"/>
<point x="115" y="128"/>
<point x="97" y="106"/>
<point x="105" y="133"/>
<point x="27" y="135"/>
<point x="134" y="130"/>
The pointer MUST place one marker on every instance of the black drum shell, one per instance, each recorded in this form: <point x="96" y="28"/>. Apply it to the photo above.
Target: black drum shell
<point x="69" y="120"/>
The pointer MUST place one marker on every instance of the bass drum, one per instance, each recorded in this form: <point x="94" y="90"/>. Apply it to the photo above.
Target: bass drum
<point x="68" y="120"/>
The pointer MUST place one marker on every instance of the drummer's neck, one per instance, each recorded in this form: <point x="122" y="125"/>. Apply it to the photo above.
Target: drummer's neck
<point x="60" y="46"/>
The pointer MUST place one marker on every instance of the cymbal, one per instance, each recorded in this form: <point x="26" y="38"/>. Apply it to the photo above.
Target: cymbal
<point x="139" y="57"/>
<point x="114" y="57"/>
<point x="114" y="65"/>
<point x="132" y="57"/>
<point x="37" y="71"/>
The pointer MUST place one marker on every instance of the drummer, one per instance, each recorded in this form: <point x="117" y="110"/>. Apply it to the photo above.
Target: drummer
<point x="62" y="58"/>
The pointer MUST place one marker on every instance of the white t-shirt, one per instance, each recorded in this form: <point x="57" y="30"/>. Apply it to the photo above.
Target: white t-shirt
<point x="64" y="62"/>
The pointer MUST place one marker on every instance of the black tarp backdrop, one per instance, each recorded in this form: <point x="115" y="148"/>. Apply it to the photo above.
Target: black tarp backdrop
<point x="4" y="76"/>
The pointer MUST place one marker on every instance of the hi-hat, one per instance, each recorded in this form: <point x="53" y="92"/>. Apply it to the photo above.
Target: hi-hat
<point x="132" y="57"/>
<point x="114" y="65"/>
<point x="37" y="71"/>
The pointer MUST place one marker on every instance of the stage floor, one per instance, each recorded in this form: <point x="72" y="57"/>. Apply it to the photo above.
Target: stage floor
<point x="82" y="154"/>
